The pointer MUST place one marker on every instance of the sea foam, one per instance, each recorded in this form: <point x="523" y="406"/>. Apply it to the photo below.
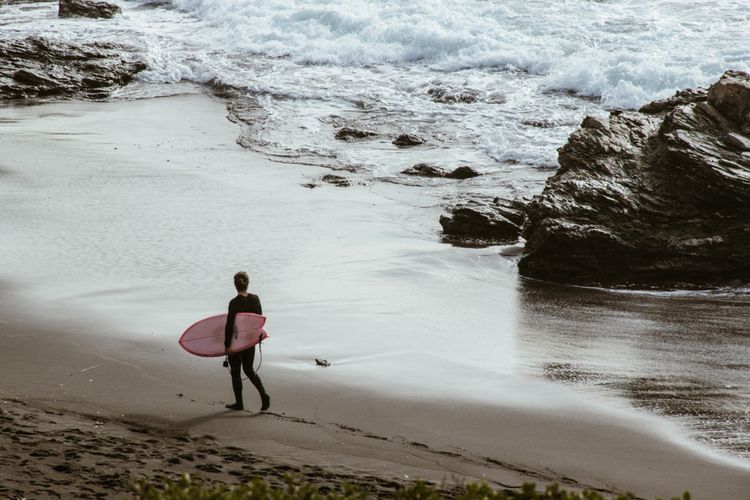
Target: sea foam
<point x="625" y="52"/>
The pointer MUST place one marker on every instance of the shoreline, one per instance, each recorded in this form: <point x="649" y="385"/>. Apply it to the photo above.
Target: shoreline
<point x="552" y="438"/>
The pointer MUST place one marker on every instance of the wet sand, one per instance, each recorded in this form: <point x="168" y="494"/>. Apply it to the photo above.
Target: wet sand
<point x="113" y="300"/>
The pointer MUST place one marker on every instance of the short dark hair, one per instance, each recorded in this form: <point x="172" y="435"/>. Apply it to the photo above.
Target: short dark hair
<point x="241" y="281"/>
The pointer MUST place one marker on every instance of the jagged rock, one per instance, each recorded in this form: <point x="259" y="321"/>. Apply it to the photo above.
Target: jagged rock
<point x="336" y="180"/>
<point x="406" y="140"/>
<point x="429" y="170"/>
<point x="480" y="224"/>
<point x="39" y="67"/>
<point x="87" y="8"/>
<point x="650" y="199"/>
<point x="352" y="134"/>
<point x="680" y="98"/>
<point x="425" y="170"/>
<point x="452" y="96"/>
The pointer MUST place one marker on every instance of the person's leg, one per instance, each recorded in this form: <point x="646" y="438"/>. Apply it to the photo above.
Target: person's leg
<point x="235" y="368"/>
<point x="248" y="358"/>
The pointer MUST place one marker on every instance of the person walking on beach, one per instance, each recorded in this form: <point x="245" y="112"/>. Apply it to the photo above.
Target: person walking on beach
<point x="243" y="360"/>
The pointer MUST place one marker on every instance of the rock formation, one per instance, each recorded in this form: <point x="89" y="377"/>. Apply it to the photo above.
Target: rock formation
<point x="480" y="224"/>
<point x="407" y="140"/>
<point x="87" y="8"/>
<point x="336" y="180"/>
<point x="658" y="197"/>
<point x="429" y="170"/>
<point x="39" y="67"/>
<point x="349" y="134"/>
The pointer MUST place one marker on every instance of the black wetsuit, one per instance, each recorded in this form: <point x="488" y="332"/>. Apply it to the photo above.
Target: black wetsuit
<point x="242" y="360"/>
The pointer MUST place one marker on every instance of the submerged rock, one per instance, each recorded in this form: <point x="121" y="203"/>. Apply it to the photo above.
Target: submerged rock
<point x="39" y="67"/>
<point x="481" y="224"/>
<point x="657" y="198"/>
<point x="452" y="96"/>
<point x="87" y="8"/>
<point x="406" y="140"/>
<point x="349" y="134"/>
<point x="429" y="170"/>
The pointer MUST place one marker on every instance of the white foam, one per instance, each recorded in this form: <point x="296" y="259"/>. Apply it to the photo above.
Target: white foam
<point x="626" y="53"/>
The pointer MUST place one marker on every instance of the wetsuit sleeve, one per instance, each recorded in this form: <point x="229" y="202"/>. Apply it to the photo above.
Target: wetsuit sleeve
<point x="229" y="328"/>
<point x="260" y="309"/>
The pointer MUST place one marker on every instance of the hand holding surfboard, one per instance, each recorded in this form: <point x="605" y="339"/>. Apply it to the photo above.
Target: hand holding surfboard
<point x="206" y="337"/>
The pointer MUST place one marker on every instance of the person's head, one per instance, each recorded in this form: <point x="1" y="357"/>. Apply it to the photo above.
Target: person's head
<point x="241" y="281"/>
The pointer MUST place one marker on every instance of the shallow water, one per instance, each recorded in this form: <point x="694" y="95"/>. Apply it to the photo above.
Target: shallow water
<point x="684" y="357"/>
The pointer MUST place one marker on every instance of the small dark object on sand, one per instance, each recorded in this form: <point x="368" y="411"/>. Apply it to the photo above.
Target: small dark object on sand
<point x="322" y="362"/>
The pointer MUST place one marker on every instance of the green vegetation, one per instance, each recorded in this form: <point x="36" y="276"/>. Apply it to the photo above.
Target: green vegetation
<point x="294" y="489"/>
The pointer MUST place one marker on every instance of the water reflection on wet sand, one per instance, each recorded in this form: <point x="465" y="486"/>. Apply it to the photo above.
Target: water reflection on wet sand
<point x="685" y="357"/>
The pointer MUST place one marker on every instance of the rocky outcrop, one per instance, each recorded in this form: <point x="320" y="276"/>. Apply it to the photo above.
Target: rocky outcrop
<point x="39" y="67"/>
<point x="87" y="8"/>
<point x="653" y="198"/>
<point x="476" y="224"/>
<point x="429" y="170"/>
<point x="407" y="140"/>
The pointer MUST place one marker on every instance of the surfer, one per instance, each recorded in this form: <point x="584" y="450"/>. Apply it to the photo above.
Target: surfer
<point x="243" y="360"/>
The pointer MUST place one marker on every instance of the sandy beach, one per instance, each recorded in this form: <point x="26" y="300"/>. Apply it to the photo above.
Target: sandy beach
<point x="125" y="221"/>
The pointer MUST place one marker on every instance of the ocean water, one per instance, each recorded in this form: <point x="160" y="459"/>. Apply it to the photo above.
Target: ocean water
<point x="310" y="67"/>
<point x="536" y="67"/>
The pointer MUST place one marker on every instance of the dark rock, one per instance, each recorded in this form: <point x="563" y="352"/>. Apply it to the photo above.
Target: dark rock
<point x="87" y="8"/>
<point x="481" y="224"/>
<point x="39" y="67"/>
<point x="452" y="96"/>
<point x="429" y="170"/>
<point x="322" y="362"/>
<point x="406" y="140"/>
<point x="336" y="180"/>
<point x="352" y="134"/>
<point x="425" y="170"/>
<point x="463" y="173"/>
<point x="647" y="199"/>
<point x="731" y="97"/>
<point x="680" y="98"/>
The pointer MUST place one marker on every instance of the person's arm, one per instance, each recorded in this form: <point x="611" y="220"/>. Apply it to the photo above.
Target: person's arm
<point x="260" y="309"/>
<point x="229" y="328"/>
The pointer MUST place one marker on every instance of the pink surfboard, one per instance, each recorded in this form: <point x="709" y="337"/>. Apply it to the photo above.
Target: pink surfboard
<point x="206" y="337"/>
